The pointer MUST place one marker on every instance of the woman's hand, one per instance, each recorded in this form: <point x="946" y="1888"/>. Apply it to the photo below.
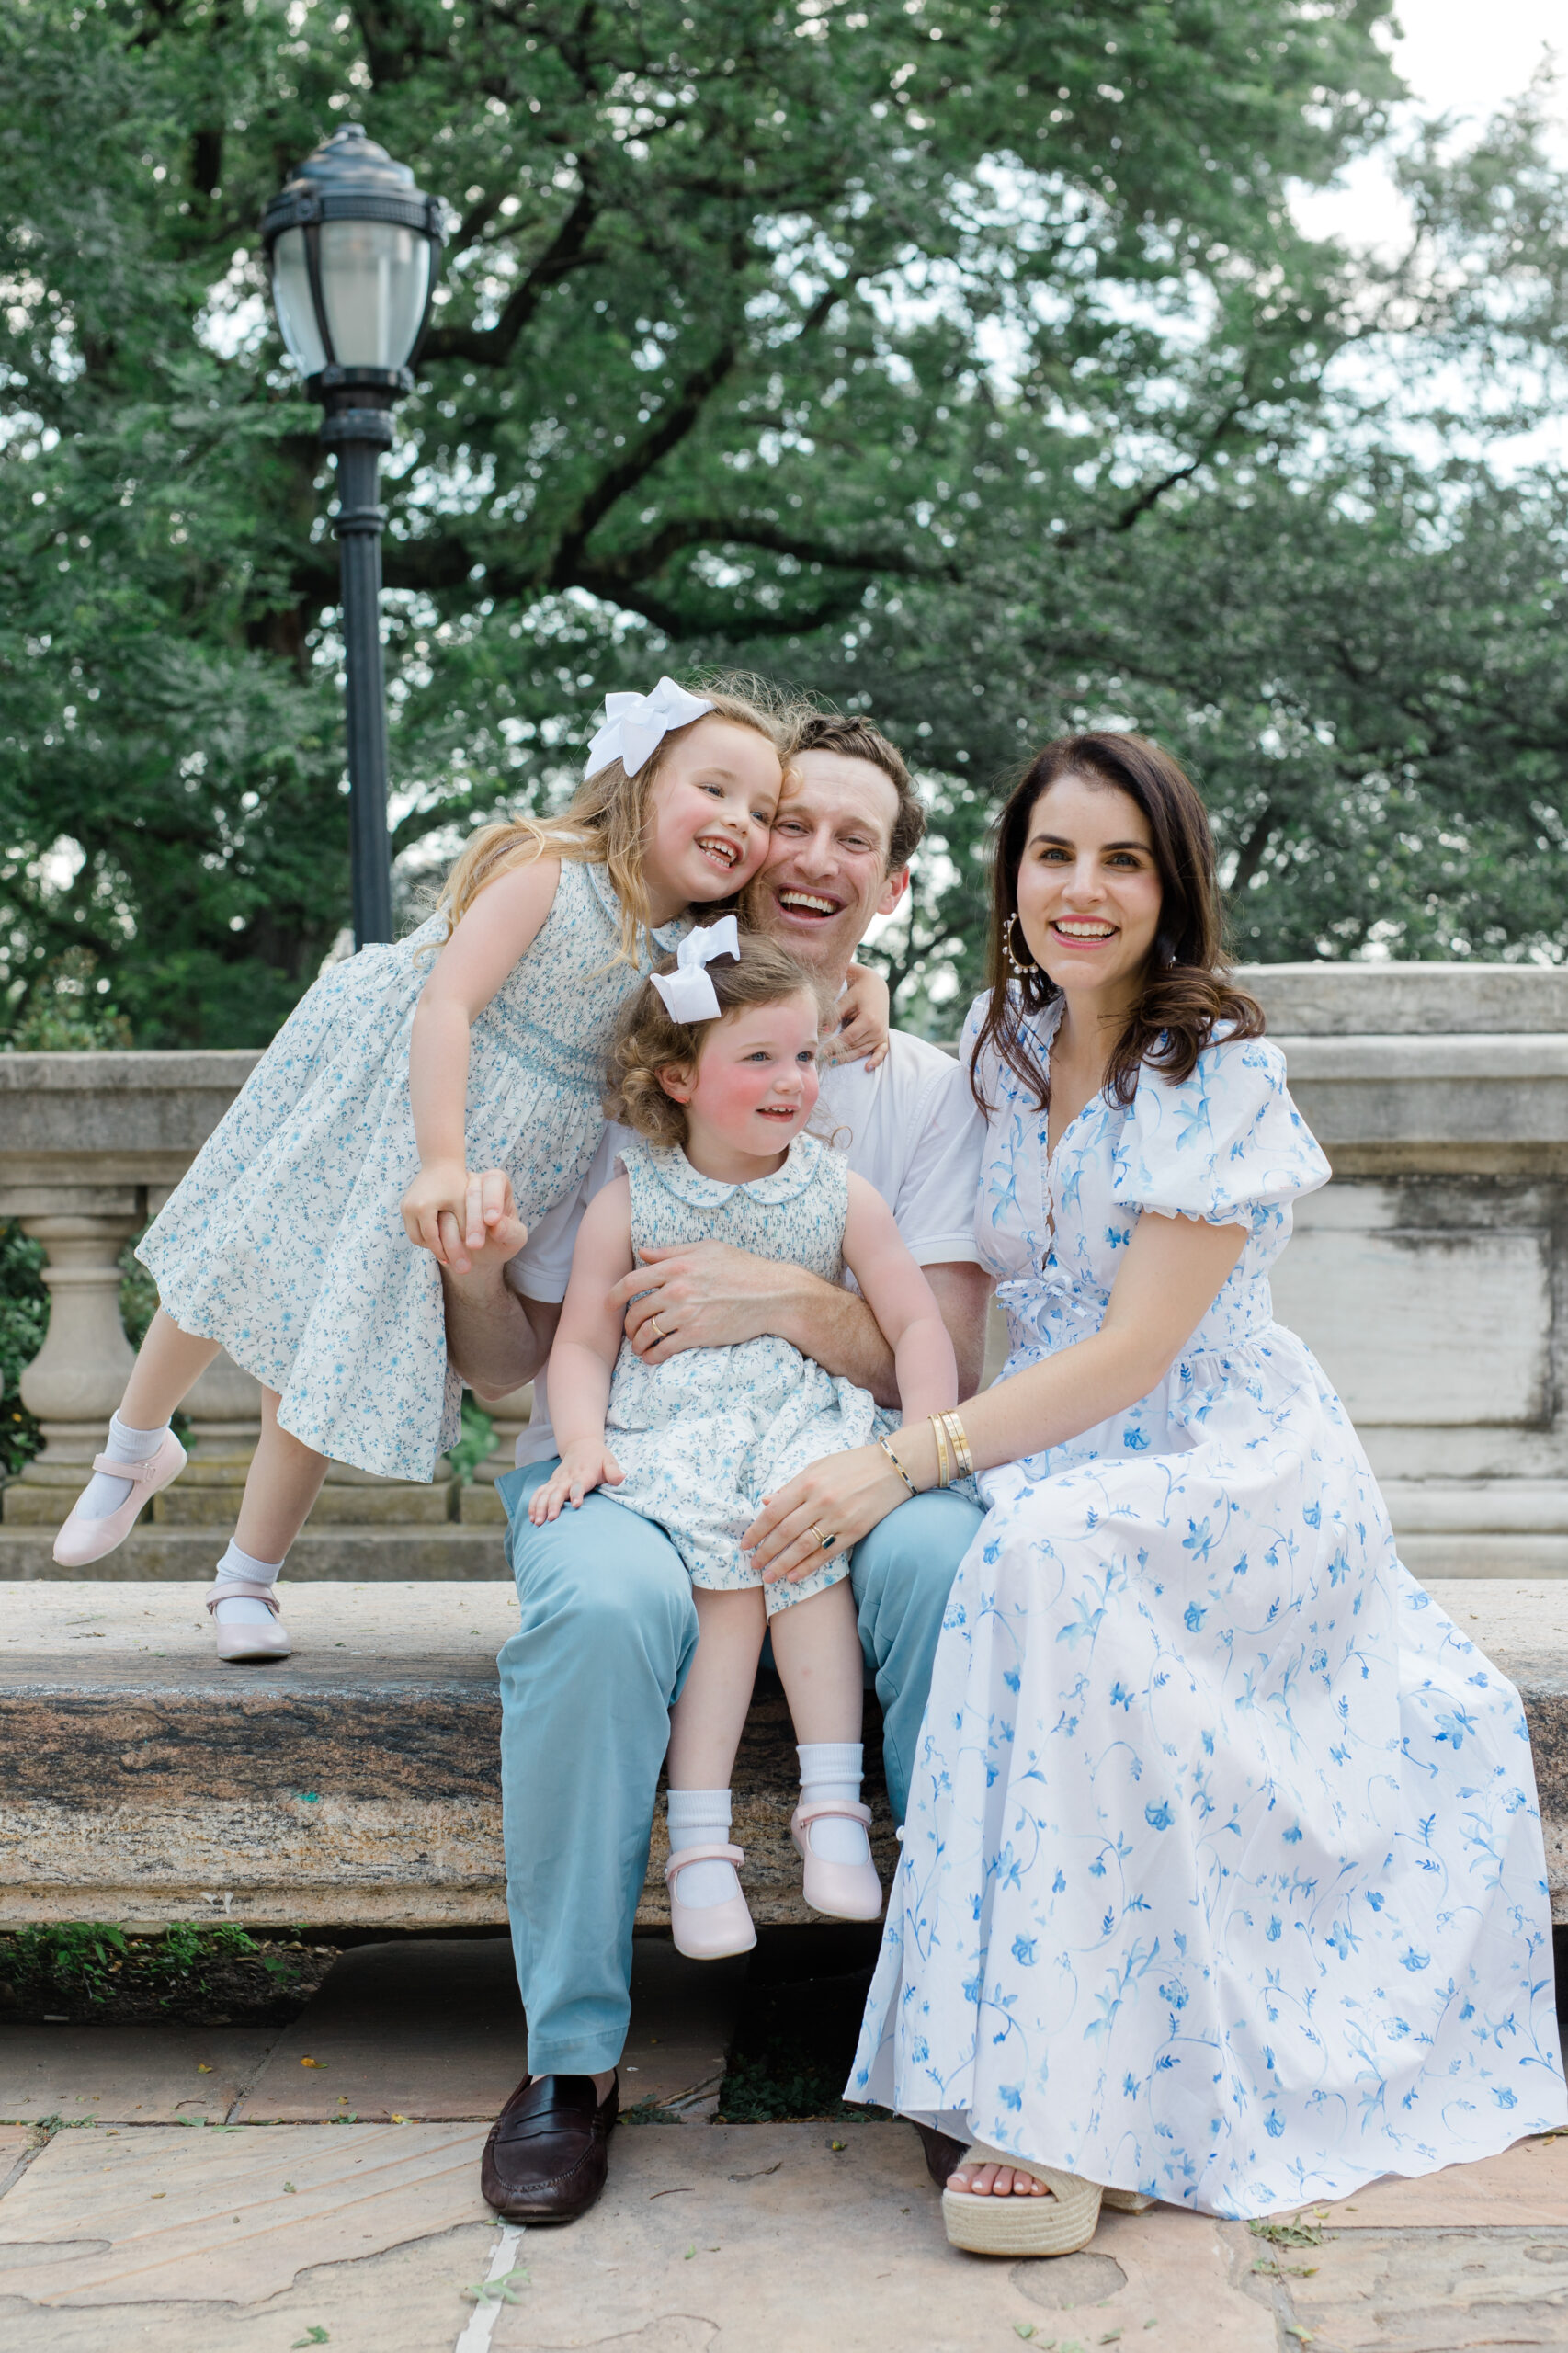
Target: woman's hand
<point x="841" y="1497"/>
<point x="865" y="1009"/>
<point x="440" y="1190"/>
<point x="584" y="1465"/>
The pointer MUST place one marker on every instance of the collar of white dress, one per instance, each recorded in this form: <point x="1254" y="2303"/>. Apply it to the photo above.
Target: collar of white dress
<point x="675" y="1171"/>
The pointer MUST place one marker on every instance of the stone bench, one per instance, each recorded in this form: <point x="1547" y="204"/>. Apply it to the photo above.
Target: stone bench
<point x="357" y="1783"/>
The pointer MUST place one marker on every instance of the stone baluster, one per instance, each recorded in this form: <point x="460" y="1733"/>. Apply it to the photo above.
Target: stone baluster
<point x="78" y="1376"/>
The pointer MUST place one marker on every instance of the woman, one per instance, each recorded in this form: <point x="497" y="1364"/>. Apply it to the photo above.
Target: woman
<point x="1222" y="1879"/>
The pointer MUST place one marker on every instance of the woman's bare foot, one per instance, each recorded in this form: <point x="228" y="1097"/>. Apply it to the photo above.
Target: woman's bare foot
<point x="997" y="2181"/>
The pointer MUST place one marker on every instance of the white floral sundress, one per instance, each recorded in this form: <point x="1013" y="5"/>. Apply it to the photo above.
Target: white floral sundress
<point x="705" y="1435"/>
<point x="285" y="1238"/>
<point x="1222" y="1878"/>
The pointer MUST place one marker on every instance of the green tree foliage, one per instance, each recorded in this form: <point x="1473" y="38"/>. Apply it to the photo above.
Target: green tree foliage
<point x="958" y="356"/>
<point x="711" y="371"/>
<point x="1363" y="664"/>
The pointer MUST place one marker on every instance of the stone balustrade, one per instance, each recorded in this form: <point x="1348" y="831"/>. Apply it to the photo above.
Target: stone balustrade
<point x="1431" y="1276"/>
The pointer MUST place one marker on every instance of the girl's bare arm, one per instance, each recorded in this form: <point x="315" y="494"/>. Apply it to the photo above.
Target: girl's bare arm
<point x="501" y="925"/>
<point x="903" y="1303"/>
<point x="583" y="1359"/>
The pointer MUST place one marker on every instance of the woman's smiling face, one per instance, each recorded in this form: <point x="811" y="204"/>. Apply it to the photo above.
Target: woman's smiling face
<point x="1088" y="888"/>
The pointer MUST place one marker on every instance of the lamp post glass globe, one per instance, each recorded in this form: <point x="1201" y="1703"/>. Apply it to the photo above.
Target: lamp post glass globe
<point x="352" y="247"/>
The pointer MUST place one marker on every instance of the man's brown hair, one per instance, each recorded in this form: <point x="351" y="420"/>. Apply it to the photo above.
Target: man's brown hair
<point x="857" y="739"/>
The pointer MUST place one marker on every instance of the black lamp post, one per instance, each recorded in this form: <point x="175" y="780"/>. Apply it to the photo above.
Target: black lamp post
<point x="352" y="249"/>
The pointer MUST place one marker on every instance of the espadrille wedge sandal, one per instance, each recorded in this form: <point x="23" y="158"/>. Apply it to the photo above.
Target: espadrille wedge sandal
<point x="1059" y="2224"/>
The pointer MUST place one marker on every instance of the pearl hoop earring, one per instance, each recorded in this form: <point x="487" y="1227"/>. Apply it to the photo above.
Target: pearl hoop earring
<point x="1019" y="966"/>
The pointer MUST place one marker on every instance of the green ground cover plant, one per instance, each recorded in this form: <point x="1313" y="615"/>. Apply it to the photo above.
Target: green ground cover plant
<point x="92" y="1969"/>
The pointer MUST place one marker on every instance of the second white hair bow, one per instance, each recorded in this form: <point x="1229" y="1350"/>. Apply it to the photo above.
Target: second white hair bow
<point x="688" y="994"/>
<point x="635" y="726"/>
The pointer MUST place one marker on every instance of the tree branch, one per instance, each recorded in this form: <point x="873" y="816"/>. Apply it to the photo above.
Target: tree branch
<point x="744" y="531"/>
<point x="488" y="346"/>
<point x="663" y="435"/>
<point x="1252" y="849"/>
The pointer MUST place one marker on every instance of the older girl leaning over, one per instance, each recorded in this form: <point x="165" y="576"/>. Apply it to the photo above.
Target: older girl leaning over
<point x="1222" y="1881"/>
<point x="307" y="1235"/>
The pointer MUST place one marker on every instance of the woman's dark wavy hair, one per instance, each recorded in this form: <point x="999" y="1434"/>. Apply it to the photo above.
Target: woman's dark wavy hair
<point x="1186" y="989"/>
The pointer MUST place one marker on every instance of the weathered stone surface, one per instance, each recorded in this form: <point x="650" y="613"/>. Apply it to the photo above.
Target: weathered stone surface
<point x="228" y="2216"/>
<point x="128" y="2074"/>
<point x="1402" y="1000"/>
<point x="355" y="1782"/>
<point x="773" y="2239"/>
<point x="133" y="1119"/>
<point x="1524" y="2188"/>
<point x="161" y="1554"/>
<point x="435" y="2031"/>
<point x="1431" y="2291"/>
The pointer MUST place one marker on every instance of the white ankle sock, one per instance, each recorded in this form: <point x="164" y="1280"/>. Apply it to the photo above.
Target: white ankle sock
<point x="701" y="1818"/>
<point x="103" y="1494"/>
<point x="243" y="1610"/>
<point x="830" y="1769"/>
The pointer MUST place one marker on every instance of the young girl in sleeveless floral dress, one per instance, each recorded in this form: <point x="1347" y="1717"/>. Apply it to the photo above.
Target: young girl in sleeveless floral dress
<point x="716" y="1067"/>
<point x="308" y="1236"/>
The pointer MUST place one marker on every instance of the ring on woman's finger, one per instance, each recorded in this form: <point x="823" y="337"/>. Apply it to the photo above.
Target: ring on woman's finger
<point x="658" y="1324"/>
<point x="828" y="1542"/>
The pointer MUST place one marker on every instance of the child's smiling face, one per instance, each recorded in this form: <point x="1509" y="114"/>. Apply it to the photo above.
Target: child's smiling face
<point x="755" y="1082"/>
<point x="711" y="811"/>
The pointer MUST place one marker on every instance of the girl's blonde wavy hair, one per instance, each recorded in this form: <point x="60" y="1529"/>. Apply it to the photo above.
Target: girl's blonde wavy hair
<point x="605" y="822"/>
<point x="648" y="1042"/>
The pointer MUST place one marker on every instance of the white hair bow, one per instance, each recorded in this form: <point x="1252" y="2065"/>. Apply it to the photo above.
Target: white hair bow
<point x="635" y="726"/>
<point x="688" y="994"/>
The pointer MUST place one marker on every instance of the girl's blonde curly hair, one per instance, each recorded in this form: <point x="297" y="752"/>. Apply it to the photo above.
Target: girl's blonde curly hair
<point x="648" y="1042"/>
<point x="605" y="822"/>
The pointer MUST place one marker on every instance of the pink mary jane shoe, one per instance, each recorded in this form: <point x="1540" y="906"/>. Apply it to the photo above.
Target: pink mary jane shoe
<point x="842" y="1891"/>
<point x="708" y="1931"/>
<point x="84" y="1540"/>
<point x="246" y="1645"/>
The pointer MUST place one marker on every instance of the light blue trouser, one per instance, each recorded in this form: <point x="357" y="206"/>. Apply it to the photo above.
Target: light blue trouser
<point x="587" y="1683"/>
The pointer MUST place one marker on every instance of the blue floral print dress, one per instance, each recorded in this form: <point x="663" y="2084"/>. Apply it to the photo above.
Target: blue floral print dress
<point x="705" y="1435"/>
<point x="285" y="1238"/>
<point x="1222" y="1878"/>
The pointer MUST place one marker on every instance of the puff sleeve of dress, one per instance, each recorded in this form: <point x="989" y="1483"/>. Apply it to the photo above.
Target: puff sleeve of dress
<point x="1226" y="1145"/>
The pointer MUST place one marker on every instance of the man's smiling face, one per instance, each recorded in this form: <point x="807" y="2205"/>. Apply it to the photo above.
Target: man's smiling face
<point x="826" y="874"/>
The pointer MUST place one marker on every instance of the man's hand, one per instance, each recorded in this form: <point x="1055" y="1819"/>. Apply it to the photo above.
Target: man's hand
<point x="489" y="1230"/>
<point x="701" y="1295"/>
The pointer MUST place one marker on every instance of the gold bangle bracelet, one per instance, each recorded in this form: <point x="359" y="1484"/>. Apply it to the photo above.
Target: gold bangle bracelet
<point x="944" y="1467"/>
<point x="898" y="1466"/>
<point x="962" y="1454"/>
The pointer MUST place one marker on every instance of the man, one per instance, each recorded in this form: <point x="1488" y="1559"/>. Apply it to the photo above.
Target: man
<point x="609" y="1627"/>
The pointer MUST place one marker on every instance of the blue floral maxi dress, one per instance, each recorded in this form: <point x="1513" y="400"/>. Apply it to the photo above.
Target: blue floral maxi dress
<point x="704" y="1436"/>
<point x="1222" y="1878"/>
<point x="285" y="1238"/>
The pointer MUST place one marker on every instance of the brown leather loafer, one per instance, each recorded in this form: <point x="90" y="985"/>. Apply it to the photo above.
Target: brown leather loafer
<point x="943" y="2155"/>
<point x="548" y="2151"/>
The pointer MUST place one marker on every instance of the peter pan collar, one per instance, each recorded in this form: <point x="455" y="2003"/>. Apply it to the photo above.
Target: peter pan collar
<point x="675" y="1171"/>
